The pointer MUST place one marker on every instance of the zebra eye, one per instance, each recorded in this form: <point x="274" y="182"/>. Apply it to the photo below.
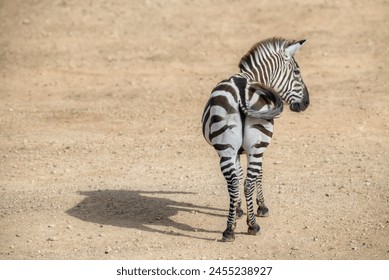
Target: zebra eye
<point x="297" y="71"/>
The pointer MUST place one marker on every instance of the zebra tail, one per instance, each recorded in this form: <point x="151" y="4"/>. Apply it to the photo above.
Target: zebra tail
<point x="270" y="97"/>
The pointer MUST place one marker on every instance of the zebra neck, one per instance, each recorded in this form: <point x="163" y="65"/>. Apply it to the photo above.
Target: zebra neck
<point x="253" y="77"/>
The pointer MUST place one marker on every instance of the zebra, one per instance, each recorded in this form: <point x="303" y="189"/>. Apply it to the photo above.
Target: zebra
<point x="239" y="118"/>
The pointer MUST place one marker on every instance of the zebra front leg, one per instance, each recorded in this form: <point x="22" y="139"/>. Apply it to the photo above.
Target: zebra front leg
<point x="249" y="187"/>
<point x="239" y="210"/>
<point x="262" y="210"/>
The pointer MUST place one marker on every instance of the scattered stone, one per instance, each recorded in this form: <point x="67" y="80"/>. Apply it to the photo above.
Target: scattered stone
<point x="52" y="238"/>
<point x="108" y="249"/>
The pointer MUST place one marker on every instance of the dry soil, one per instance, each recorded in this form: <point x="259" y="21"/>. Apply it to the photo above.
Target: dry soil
<point x="101" y="152"/>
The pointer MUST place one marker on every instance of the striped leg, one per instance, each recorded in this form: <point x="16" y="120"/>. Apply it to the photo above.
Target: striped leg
<point x="230" y="171"/>
<point x="257" y="136"/>
<point x="262" y="210"/>
<point x="253" y="169"/>
<point x="222" y="128"/>
<point x="239" y="211"/>
<point x="227" y="140"/>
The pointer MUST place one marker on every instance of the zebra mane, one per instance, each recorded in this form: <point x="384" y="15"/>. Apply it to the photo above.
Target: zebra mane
<point x="270" y="45"/>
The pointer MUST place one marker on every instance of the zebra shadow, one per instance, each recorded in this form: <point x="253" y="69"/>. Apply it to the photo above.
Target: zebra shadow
<point x="142" y="210"/>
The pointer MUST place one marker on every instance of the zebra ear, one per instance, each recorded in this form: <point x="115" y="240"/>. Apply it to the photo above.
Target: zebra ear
<point x="292" y="49"/>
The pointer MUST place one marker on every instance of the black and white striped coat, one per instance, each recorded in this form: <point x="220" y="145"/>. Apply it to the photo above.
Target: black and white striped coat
<point x="238" y="118"/>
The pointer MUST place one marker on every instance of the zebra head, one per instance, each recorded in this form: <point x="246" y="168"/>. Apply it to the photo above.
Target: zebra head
<point x="290" y="84"/>
<point x="271" y="62"/>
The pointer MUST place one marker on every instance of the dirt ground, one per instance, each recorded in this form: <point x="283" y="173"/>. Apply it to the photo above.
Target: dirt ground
<point x="101" y="152"/>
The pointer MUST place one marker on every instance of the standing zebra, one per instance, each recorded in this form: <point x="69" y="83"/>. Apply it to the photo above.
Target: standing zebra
<point x="238" y="118"/>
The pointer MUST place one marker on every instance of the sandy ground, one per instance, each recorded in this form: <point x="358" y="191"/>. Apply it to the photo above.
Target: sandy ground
<point x="101" y="152"/>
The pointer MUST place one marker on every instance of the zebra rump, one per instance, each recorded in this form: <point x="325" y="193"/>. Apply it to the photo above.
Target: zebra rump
<point x="269" y="96"/>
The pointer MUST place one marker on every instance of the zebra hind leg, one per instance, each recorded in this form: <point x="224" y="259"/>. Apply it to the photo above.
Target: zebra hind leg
<point x="233" y="190"/>
<point x="239" y="211"/>
<point x="230" y="172"/>
<point x="249" y="188"/>
<point x="262" y="210"/>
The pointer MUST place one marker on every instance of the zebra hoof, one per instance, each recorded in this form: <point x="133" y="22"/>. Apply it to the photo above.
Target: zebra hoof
<point x="239" y="212"/>
<point x="228" y="235"/>
<point x="263" y="211"/>
<point x="254" y="230"/>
